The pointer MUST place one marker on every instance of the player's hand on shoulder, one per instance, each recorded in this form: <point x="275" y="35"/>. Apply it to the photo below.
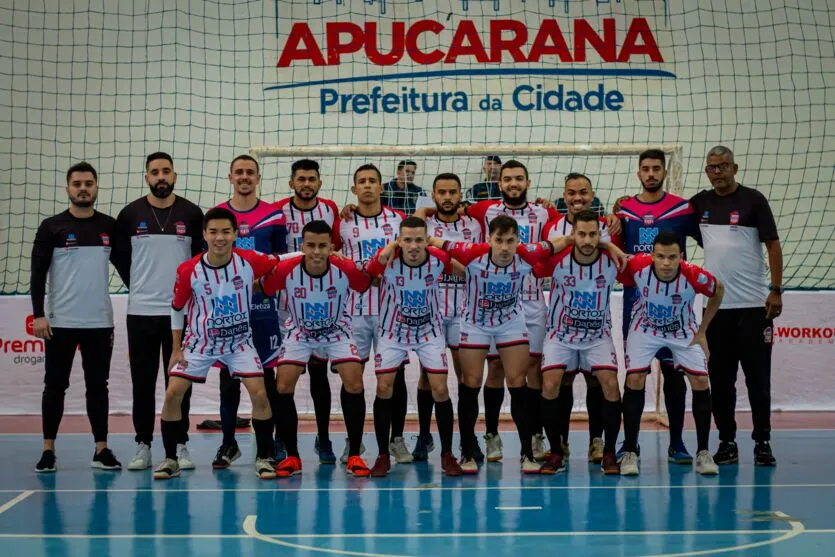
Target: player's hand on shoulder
<point x="545" y="203"/>
<point x="42" y="328"/>
<point x="621" y="258"/>
<point x="435" y="242"/>
<point x="348" y="211"/>
<point x="618" y="202"/>
<point x="613" y="224"/>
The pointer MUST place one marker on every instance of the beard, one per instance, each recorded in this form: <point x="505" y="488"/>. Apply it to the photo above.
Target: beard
<point x="161" y="190"/>
<point x="655" y="188"/>
<point x="84" y="203"/>
<point x="449" y="213"/>
<point x="518" y="200"/>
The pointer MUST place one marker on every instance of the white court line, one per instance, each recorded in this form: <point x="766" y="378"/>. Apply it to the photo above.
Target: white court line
<point x="518" y="508"/>
<point x="15" y="501"/>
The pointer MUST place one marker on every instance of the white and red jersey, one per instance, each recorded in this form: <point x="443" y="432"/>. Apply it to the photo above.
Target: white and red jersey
<point x="578" y="311"/>
<point x="561" y="227"/>
<point x="217" y="300"/>
<point x="409" y="302"/>
<point x="361" y="238"/>
<point x="666" y="308"/>
<point x="493" y="292"/>
<point x="451" y="288"/>
<point x="531" y="219"/>
<point x="317" y="302"/>
<point x="324" y="210"/>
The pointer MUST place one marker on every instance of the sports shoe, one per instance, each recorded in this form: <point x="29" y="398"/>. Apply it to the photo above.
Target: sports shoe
<point x="46" y="463"/>
<point x="104" y="460"/>
<point x="381" y="466"/>
<point x="728" y="453"/>
<point x="478" y="454"/>
<point x="142" y="459"/>
<point x="450" y="465"/>
<point x="538" y="444"/>
<point x="679" y="455"/>
<point x="629" y="464"/>
<point x="265" y="468"/>
<point x="529" y="466"/>
<point x="609" y="464"/>
<point x="705" y="465"/>
<point x="553" y="465"/>
<point x="344" y="457"/>
<point x="226" y="455"/>
<point x="762" y="454"/>
<point x="167" y="469"/>
<point x="468" y="464"/>
<point x="290" y="466"/>
<point x="325" y="452"/>
<point x="400" y="451"/>
<point x="596" y="450"/>
<point x="423" y="446"/>
<point x="622" y="451"/>
<point x="357" y="467"/>
<point x="183" y="457"/>
<point x="281" y="449"/>
<point x="493" y="446"/>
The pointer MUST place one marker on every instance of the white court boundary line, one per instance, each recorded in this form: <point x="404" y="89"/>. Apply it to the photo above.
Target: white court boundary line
<point x="15" y="501"/>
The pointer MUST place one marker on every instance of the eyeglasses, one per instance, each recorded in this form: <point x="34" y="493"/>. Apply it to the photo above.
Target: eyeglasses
<point x="724" y="167"/>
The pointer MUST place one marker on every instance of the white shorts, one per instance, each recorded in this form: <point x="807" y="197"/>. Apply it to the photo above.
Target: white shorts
<point x="391" y="355"/>
<point x="641" y="348"/>
<point x="510" y="334"/>
<point x="287" y="326"/>
<point x="597" y="357"/>
<point x="365" y="334"/>
<point x="242" y="362"/>
<point x="535" y="314"/>
<point x="452" y="332"/>
<point x="299" y="352"/>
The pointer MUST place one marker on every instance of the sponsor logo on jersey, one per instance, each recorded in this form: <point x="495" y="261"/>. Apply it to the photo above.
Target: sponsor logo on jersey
<point x="243" y="229"/>
<point x="142" y="227"/>
<point x="105" y="239"/>
<point x="238" y="282"/>
<point x="369" y="247"/>
<point x="315" y="311"/>
<point x="584" y="300"/>
<point x="71" y="240"/>
<point x="332" y="292"/>
<point x="180" y="228"/>
<point x="734" y="217"/>
<point x="414" y="299"/>
<point x="705" y="217"/>
<point x="649" y="219"/>
<point x="646" y="237"/>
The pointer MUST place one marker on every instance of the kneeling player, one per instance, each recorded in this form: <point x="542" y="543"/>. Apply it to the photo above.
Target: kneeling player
<point x="316" y="285"/>
<point x="664" y="318"/>
<point x="217" y="288"/>
<point x="410" y="320"/>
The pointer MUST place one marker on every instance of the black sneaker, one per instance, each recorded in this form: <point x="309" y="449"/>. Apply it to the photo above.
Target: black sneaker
<point x="762" y="454"/>
<point x="226" y="455"/>
<point x="728" y="453"/>
<point x="104" y="460"/>
<point x="46" y="463"/>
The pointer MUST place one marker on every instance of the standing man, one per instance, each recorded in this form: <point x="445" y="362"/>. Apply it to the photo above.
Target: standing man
<point x="733" y="221"/>
<point x="488" y="190"/>
<point x="303" y="207"/>
<point x="261" y="227"/>
<point x="72" y="249"/>
<point x="154" y="235"/>
<point x="401" y="193"/>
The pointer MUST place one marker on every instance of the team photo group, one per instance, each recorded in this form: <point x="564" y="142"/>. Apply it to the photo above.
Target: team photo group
<point x="509" y="292"/>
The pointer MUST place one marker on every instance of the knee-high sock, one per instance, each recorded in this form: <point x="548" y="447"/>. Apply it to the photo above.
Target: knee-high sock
<point x="353" y="411"/>
<point x="399" y="402"/>
<point x="320" y="392"/>
<point x="382" y="423"/>
<point x="445" y="419"/>
<point x="519" y="412"/>
<point x="701" y="414"/>
<point x="549" y="413"/>
<point x="611" y="424"/>
<point x="633" y="409"/>
<point x="566" y="403"/>
<point x="594" y="404"/>
<point x="424" y="406"/>
<point x="493" y="400"/>
<point x="534" y="419"/>
<point x="467" y="416"/>
<point x="288" y="422"/>
<point x="675" y="393"/>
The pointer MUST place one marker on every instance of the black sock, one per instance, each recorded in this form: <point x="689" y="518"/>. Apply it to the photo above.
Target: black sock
<point x="534" y="419"/>
<point x="382" y="423"/>
<point x="424" y="407"/>
<point x="467" y="415"/>
<point x="288" y="422"/>
<point x="549" y="410"/>
<point x="493" y="400"/>
<point x="675" y="393"/>
<point x="445" y="419"/>
<point x="264" y="437"/>
<point x="633" y="409"/>
<point x="353" y="412"/>
<point x="611" y="424"/>
<point x="594" y="406"/>
<point x="230" y="400"/>
<point x="399" y="402"/>
<point x="701" y="414"/>
<point x="170" y="436"/>
<point x="519" y="412"/>
<point x="566" y="404"/>
<point x="320" y="392"/>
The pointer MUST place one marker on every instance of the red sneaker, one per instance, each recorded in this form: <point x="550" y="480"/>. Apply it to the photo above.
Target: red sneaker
<point x="450" y="465"/>
<point x="381" y="466"/>
<point x="609" y="464"/>
<point x="356" y="466"/>
<point x="290" y="466"/>
<point x="553" y="465"/>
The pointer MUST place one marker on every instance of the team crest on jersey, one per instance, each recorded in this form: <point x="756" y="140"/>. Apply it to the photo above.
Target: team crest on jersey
<point x="439" y="232"/>
<point x="378" y="361"/>
<point x="331" y="292"/>
<point x="600" y="281"/>
<point x="734" y="217"/>
<point x="649" y="219"/>
<point x="532" y="218"/>
<point x="243" y="229"/>
<point x="430" y="280"/>
<point x="676" y="299"/>
<point x="388" y="230"/>
<point x="702" y="278"/>
<point x="142" y="227"/>
<point x="463" y="337"/>
<point x="531" y="247"/>
<point x="180" y="228"/>
<point x="468" y="234"/>
<point x="300" y="292"/>
<point x="238" y="282"/>
<point x="354" y="350"/>
<point x="105" y="239"/>
<point x="400" y="281"/>
<point x="515" y="276"/>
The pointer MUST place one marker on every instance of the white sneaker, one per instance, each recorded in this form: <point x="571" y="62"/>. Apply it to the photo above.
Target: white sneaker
<point x="265" y="468"/>
<point x="530" y="466"/>
<point x="538" y="443"/>
<point x="167" y="469"/>
<point x="400" y="451"/>
<point x="493" y="445"/>
<point x="629" y="465"/>
<point x="596" y="450"/>
<point x="142" y="460"/>
<point x="705" y="464"/>
<point x="468" y="465"/>
<point x="344" y="458"/>
<point x="184" y="458"/>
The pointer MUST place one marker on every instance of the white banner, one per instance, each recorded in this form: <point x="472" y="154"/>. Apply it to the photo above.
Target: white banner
<point x="804" y="349"/>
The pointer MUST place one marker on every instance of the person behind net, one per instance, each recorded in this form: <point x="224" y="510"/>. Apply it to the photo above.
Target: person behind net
<point x="72" y="250"/>
<point x="448" y="223"/>
<point x="319" y="285"/>
<point x="155" y="233"/>
<point x="301" y="208"/>
<point x="487" y="190"/>
<point x="642" y="217"/>
<point x="213" y="292"/>
<point x="664" y="318"/>
<point x="261" y="227"/>
<point x="411" y="321"/>
<point x="401" y="193"/>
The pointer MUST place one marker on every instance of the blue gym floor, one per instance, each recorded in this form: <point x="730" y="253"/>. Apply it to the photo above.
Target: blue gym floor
<point x="668" y="510"/>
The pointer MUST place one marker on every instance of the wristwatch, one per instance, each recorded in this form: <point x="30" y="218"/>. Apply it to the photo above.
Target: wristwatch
<point x="777" y="289"/>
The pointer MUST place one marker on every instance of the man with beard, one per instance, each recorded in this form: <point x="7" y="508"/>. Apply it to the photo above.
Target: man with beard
<point x="154" y="235"/>
<point x="72" y="249"/>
